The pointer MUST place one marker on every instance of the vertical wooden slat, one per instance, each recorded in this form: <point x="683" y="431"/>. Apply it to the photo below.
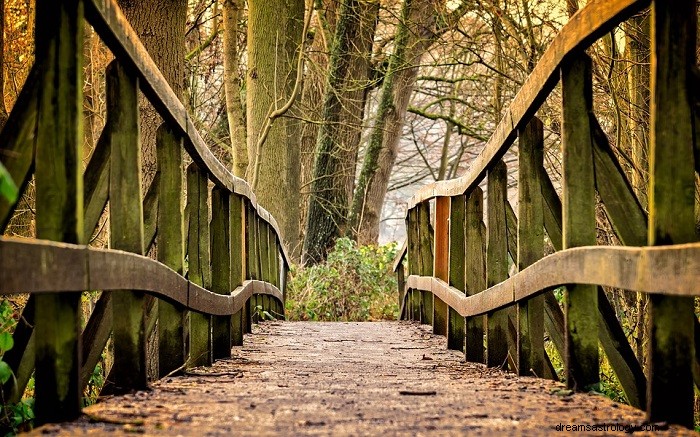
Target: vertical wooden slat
<point x="126" y="227"/>
<point x="414" y="262"/>
<point x="221" y="254"/>
<point x="425" y="236"/>
<point x="455" y="322"/>
<point x="441" y="261"/>
<point x="264" y="260"/>
<point x="582" y="368"/>
<point x="497" y="263"/>
<point x="199" y="270"/>
<point x="671" y="205"/>
<point x="59" y="201"/>
<point x="238" y="259"/>
<point x="475" y="272"/>
<point x="171" y="317"/>
<point x="530" y="313"/>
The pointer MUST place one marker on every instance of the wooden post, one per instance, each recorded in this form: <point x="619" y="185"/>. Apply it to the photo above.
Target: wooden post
<point x="455" y="322"/>
<point x="59" y="197"/>
<point x="414" y="262"/>
<point x="171" y="317"/>
<point x="475" y="272"/>
<point x="199" y="271"/>
<point x="582" y="368"/>
<point x="264" y="249"/>
<point x="497" y="264"/>
<point x="671" y="205"/>
<point x="441" y="261"/>
<point x="221" y="254"/>
<point x="126" y="227"/>
<point x="425" y="235"/>
<point x="238" y="259"/>
<point x="530" y="360"/>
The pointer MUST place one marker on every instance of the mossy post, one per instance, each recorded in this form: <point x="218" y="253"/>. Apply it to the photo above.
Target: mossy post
<point x="579" y="226"/>
<point x="475" y="271"/>
<point x="455" y="322"/>
<point x="671" y="206"/>
<point x="441" y="261"/>
<point x="59" y="201"/>
<point x="221" y="254"/>
<point x="414" y="263"/>
<point x="252" y="269"/>
<point x="171" y="317"/>
<point x="126" y="227"/>
<point x="497" y="263"/>
<point x="530" y="313"/>
<point x="237" y="259"/>
<point x="425" y="237"/>
<point x="199" y="270"/>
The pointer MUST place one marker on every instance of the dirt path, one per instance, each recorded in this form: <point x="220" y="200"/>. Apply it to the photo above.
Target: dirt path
<point x="349" y="379"/>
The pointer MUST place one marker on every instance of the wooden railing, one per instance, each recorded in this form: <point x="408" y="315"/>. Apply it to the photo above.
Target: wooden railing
<point x="211" y="278"/>
<point x="458" y="266"/>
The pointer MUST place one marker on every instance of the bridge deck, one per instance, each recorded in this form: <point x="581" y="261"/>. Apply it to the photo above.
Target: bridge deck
<point x="295" y="378"/>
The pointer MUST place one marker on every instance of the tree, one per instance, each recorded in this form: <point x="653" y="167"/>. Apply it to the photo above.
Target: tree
<point x="341" y="127"/>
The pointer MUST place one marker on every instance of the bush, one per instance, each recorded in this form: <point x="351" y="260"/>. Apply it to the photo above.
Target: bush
<point x="354" y="284"/>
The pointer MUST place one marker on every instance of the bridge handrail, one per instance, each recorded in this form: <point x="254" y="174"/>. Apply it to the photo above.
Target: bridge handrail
<point x="456" y="274"/>
<point x="112" y="26"/>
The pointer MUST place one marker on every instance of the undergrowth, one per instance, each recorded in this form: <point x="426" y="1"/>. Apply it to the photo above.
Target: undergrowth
<point x="354" y="284"/>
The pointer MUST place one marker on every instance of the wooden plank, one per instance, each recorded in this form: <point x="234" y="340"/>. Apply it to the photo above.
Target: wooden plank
<point x="672" y="205"/>
<point x="475" y="272"/>
<point x="455" y="322"/>
<point x="591" y="22"/>
<point x="95" y="336"/>
<point x="530" y="320"/>
<point x="414" y="261"/>
<point x="425" y="238"/>
<point x="198" y="261"/>
<point x="96" y="181"/>
<point x="59" y="195"/>
<point x="579" y="225"/>
<point x="237" y="259"/>
<point x="171" y="318"/>
<point x="150" y="213"/>
<point x="552" y="212"/>
<point x="221" y="254"/>
<point x="126" y="227"/>
<point x="497" y="263"/>
<point x="18" y="141"/>
<point x="441" y="261"/>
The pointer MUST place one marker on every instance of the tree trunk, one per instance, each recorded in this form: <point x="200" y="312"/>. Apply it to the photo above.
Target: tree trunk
<point x="166" y="45"/>
<point x="274" y="34"/>
<point x="415" y="33"/>
<point x="341" y="128"/>
<point x="3" y="108"/>
<point x="232" y="11"/>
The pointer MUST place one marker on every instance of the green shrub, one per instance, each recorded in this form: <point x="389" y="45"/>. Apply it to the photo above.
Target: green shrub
<point x="354" y="284"/>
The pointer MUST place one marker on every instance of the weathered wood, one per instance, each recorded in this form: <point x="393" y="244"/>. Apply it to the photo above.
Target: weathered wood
<point x="198" y="261"/>
<point x="441" y="261"/>
<point x="126" y="227"/>
<point x="672" y="205"/>
<point x="96" y="182"/>
<point x="671" y="271"/>
<point x="530" y="246"/>
<point x="221" y="253"/>
<point x="21" y="357"/>
<point x="59" y="196"/>
<point x="455" y="322"/>
<point x="552" y="211"/>
<point x="591" y="22"/>
<point x="252" y="266"/>
<point x="475" y="272"/>
<point x="238" y="259"/>
<point x="578" y="213"/>
<point x="150" y="213"/>
<point x="414" y="261"/>
<point x="18" y="141"/>
<point x="497" y="263"/>
<point x="95" y="336"/>
<point x="171" y="318"/>
<point x="425" y="238"/>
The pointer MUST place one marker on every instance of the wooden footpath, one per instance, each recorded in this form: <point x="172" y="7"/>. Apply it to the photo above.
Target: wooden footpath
<point x="304" y="378"/>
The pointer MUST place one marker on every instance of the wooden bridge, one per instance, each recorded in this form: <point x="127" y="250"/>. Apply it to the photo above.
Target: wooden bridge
<point x="458" y="266"/>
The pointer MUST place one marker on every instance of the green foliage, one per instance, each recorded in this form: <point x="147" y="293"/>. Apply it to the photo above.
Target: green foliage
<point x="260" y="314"/>
<point x="354" y="284"/>
<point x="8" y="189"/>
